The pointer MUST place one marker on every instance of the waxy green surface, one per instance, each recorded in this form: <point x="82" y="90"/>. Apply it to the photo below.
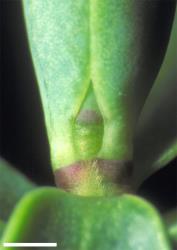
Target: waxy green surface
<point x="77" y="223"/>
<point x="115" y="48"/>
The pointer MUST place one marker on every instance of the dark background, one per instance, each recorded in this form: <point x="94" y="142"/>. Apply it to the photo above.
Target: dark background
<point x="23" y="136"/>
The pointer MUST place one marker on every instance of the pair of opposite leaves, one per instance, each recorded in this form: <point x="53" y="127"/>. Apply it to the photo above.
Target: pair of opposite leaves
<point x="96" y="62"/>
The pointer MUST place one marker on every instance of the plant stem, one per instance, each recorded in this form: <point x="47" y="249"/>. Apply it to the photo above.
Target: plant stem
<point x="95" y="177"/>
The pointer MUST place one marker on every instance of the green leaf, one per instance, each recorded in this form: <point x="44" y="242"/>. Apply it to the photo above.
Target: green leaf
<point x="13" y="185"/>
<point x="86" y="223"/>
<point x="156" y="138"/>
<point x="58" y="39"/>
<point x="115" y="48"/>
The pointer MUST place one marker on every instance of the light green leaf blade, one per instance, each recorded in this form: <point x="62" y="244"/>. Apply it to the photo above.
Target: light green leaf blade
<point x="59" y="42"/>
<point x="128" y="45"/>
<point x="86" y="223"/>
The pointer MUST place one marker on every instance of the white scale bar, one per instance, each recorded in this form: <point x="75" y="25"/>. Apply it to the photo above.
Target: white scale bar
<point x="7" y="244"/>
